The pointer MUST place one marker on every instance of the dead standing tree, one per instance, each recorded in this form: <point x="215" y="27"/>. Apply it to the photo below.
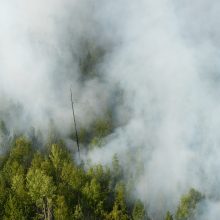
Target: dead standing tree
<point x="74" y="121"/>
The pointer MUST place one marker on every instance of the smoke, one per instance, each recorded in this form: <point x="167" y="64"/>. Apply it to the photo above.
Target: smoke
<point x="166" y="61"/>
<point x="42" y="44"/>
<point x="164" y="57"/>
<point x="208" y="209"/>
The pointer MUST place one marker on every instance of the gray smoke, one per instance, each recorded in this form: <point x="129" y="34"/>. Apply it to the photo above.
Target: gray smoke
<point x="164" y="57"/>
<point x="41" y="47"/>
<point x="167" y="64"/>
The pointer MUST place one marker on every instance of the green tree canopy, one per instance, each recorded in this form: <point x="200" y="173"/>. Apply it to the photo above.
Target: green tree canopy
<point x="188" y="204"/>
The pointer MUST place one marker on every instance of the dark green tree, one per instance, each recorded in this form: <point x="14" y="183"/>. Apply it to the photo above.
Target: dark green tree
<point x="61" y="211"/>
<point x="119" y="211"/>
<point x="13" y="209"/>
<point x="139" y="212"/>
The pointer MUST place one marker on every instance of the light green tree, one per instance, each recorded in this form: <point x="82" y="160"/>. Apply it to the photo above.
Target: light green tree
<point x="188" y="203"/>
<point x="22" y="151"/>
<point x="94" y="197"/>
<point x="73" y="176"/>
<point x="10" y="169"/>
<point x="41" y="189"/>
<point x="58" y="155"/>
<point x="18" y="185"/>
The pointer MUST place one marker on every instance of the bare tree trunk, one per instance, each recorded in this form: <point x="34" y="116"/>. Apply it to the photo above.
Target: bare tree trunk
<point x="49" y="210"/>
<point x="74" y="120"/>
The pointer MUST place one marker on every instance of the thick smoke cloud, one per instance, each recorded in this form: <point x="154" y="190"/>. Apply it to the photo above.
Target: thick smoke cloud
<point x="40" y="51"/>
<point x="167" y="64"/>
<point x="163" y="55"/>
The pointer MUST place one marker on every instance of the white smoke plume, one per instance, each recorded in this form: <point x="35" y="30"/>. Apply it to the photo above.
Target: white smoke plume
<point x="167" y="64"/>
<point x="40" y="51"/>
<point x="163" y="55"/>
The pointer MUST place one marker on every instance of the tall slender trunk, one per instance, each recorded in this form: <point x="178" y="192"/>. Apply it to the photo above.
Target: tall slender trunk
<point x="44" y="210"/>
<point x="49" y="210"/>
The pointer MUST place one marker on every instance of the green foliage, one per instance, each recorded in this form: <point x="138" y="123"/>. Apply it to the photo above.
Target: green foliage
<point x="58" y="155"/>
<point x="93" y="197"/>
<point x="3" y="129"/>
<point x="117" y="173"/>
<point x="119" y="211"/>
<point x="82" y="135"/>
<point x="53" y="134"/>
<point x="40" y="185"/>
<point x="21" y="152"/>
<point x="3" y="194"/>
<point x="41" y="181"/>
<point x="61" y="211"/>
<point x="92" y="55"/>
<point x="50" y="185"/>
<point x="168" y="216"/>
<point x="103" y="176"/>
<point x="18" y="185"/>
<point x="13" y="209"/>
<point x="102" y="127"/>
<point x="139" y="212"/>
<point x="78" y="214"/>
<point x="188" y="203"/>
<point x="4" y="136"/>
<point x="36" y="185"/>
<point x="10" y="169"/>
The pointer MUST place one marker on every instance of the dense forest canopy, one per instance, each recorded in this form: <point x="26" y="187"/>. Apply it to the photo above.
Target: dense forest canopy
<point x="49" y="184"/>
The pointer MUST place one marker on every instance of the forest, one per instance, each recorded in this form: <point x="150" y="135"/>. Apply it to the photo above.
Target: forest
<point x="48" y="183"/>
<point x="109" y="110"/>
<point x="45" y="179"/>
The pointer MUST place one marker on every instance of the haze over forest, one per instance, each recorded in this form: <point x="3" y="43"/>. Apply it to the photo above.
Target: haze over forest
<point x="145" y="81"/>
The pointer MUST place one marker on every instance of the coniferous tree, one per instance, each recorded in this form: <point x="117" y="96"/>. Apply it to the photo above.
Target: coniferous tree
<point x="168" y="216"/>
<point x="139" y="212"/>
<point x="188" y="204"/>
